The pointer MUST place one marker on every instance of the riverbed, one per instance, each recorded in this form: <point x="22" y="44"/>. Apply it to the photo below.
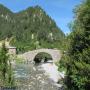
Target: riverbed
<point x="35" y="77"/>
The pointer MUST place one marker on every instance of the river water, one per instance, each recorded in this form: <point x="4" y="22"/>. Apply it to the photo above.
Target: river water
<point x="32" y="77"/>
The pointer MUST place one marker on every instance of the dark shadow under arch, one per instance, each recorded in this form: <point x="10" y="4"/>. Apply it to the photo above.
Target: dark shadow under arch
<point x="42" y="57"/>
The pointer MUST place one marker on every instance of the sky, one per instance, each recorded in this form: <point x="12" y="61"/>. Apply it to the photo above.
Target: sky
<point x="59" y="10"/>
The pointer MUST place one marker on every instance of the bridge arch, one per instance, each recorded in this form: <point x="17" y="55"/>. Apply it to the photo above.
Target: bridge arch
<point x="42" y="57"/>
<point x="56" y="54"/>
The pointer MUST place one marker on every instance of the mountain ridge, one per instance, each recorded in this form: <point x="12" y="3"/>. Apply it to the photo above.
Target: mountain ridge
<point x="28" y="27"/>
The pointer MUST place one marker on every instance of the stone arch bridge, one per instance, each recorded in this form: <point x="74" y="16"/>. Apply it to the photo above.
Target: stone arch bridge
<point x="55" y="54"/>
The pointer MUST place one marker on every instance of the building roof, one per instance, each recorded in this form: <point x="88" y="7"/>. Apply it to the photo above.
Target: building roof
<point x="10" y="47"/>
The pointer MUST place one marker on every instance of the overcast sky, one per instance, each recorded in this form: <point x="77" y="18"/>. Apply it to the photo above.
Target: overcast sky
<point x="59" y="10"/>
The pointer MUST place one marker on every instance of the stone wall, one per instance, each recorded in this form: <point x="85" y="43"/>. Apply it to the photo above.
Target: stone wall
<point x="56" y="54"/>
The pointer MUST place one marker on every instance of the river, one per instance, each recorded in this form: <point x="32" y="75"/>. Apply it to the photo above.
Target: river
<point x="33" y="77"/>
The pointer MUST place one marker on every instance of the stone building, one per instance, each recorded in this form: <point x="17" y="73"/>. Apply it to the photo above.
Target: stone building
<point x="11" y="50"/>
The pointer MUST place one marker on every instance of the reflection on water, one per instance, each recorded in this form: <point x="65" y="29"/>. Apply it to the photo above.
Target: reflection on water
<point x="31" y="77"/>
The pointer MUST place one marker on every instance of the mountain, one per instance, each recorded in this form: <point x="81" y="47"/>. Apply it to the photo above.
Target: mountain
<point x="6" y="22"/>
<point x="30" y="29"/>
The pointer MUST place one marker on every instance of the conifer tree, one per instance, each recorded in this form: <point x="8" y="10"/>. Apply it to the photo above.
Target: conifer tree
<point x="78" y="66"/>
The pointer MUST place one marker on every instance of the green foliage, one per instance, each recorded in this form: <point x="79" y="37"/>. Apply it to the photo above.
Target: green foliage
<point x="3" y="61"/>
<point x="6" y="77"/>
<point x="78" y="56"/>
<point x="62" y="63"/>
<point x="19" y="59"/>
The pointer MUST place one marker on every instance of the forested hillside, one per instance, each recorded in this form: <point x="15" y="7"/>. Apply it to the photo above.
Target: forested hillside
<point x="29" y="29"/>
<point x="6" y="21"/>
